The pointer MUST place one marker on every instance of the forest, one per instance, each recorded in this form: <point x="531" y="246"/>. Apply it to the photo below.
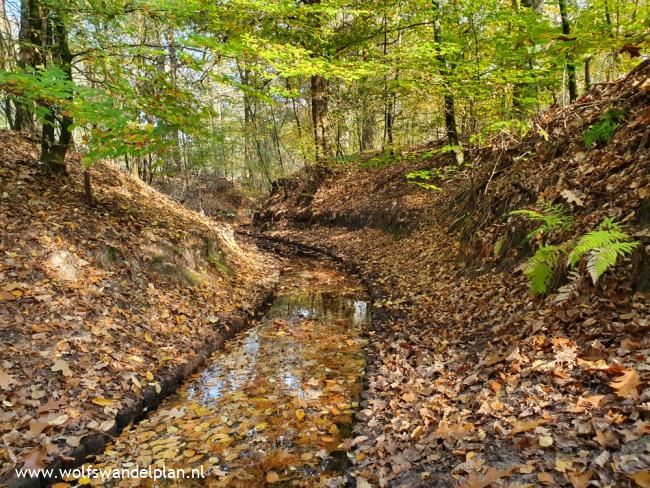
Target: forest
<point x="325" y="243"/>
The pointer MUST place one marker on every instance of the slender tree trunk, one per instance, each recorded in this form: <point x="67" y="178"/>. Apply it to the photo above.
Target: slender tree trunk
<point x="367" y="127"/>
<point x="570" y="64"/>
<point x="448" y="97"/>
<point x="30" y="55"/>
<point x="588" y="74"/>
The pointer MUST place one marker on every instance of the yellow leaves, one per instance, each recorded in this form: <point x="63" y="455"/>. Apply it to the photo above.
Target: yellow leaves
<point x="545" y="441"/>
<point x="261" y="426"/>
<point x="307" y="456"/>
<point x="222" y="438"/>
<point x="300" y="414"/>
<point x="62" y="366"/>
<point x="148" y="338"/>
<point x="101" y="401"/>
<point x="149" y="376"/>
<point x="626" y="384"/>
<point x="562" y="465"/>
<point x="272" y="477"/>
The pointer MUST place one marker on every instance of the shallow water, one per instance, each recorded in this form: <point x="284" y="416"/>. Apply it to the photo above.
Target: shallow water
<point x="276" y="405"/>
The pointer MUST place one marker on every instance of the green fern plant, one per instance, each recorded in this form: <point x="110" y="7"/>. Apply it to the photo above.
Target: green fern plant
<point x="602" y="131"/>
<point x="541" y="267"/>
<point x="602" y="247"/>
<point x="552" y="217"/>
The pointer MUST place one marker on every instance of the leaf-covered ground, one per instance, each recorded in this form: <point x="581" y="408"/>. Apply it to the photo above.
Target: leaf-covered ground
<point x="98" y="304"/>
<point x="475" y="382"/>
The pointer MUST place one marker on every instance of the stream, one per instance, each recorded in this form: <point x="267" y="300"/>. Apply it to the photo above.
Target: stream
<point x="275" y="406"/>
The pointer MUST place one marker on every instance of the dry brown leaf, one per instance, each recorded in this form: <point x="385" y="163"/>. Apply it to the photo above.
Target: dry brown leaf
<point x="626" y="384"/>
<point x="61" y="365"/>
<point x="272" y="477"/>
<point x="642" y="479"/>
<point x="35" y="459"/>
<point x="6" y="380"/>
<point x="491" y="475"/>
<point x="524" y="425"/>
<point x="580" y="480"/>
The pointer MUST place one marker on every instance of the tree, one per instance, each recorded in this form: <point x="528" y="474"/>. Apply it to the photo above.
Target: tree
<point x="572" y="84"/>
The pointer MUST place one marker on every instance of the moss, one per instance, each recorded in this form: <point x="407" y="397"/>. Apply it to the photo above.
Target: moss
<point x="218" y="260"/>
<point x="191" y="277"/>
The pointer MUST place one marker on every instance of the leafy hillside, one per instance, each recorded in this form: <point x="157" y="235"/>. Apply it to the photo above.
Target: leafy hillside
<point x="476" y="379"/>
<point x="104" y="309"/>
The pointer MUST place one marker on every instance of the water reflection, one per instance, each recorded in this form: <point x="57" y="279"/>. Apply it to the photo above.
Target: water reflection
<point x="275" y="399"/>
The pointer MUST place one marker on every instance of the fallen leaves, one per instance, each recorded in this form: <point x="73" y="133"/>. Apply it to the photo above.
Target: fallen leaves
<point x="102" y="402"/>
<point x="524" y="425"/>
<point x="272" y="477"/>
<point x="490" y="476"/>
<point x="73" y="314"/>
<point x="626" y="384"/>
<point x="6" y="380"/>
<point x="35" y="459"/>
<point x="62" y="366"/>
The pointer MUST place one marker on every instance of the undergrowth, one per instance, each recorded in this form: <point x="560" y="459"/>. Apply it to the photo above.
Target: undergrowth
<point x="602" y="248"/>
<point x="604" y="129"/>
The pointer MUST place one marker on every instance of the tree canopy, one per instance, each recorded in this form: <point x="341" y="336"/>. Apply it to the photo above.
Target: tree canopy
<point x="254" y="89"/>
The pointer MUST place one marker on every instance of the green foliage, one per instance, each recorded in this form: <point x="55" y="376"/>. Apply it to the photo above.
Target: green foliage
<point x="423" y="174"/>
<point x="40" y="90"/>
<point x="541" y="268"/>
<point x="603" y="247"/>
<point x="552" y="218"/>
<point x="602" y="131"/>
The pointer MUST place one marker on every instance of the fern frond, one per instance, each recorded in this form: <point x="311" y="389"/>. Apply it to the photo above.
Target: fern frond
<point x="603" y="246"/>
<point x="553" y="218"/>
<point x="600" y="260"/>
<point x="541" y="267"/>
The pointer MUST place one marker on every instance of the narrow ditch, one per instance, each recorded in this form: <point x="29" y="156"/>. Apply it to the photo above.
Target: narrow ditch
<point x="276" y="405"/>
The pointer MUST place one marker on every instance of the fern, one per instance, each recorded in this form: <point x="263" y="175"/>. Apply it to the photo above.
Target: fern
<point x="553" y="218"/>
<point x="603" y="247"/>
<point x="602" y="131"/>
<point x="541" y="268"/>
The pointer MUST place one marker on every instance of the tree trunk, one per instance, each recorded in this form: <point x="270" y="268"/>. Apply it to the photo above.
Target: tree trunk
<point x="570" y="64"/>
<point x="53" y="151"/>
<point x="448" y="97"/>
<point x="588" y="74"/>
<point x="319" y="117"/>
<point x="30" y="55"/>
<point x="367" y="128"/>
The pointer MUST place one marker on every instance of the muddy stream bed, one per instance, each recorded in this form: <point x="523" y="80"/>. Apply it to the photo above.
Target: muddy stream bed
<point x="275" y="406"/>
